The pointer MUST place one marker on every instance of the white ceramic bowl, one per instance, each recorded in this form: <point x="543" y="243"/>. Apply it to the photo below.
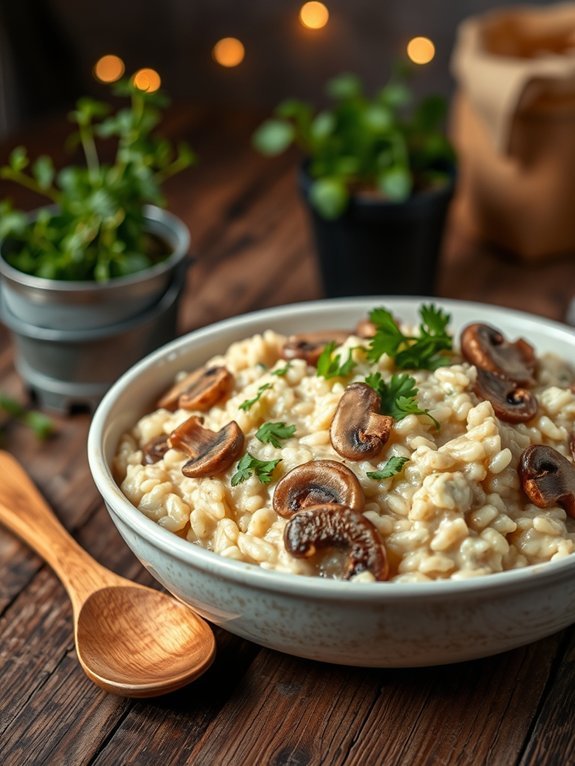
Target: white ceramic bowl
<point x="362" y="624"/>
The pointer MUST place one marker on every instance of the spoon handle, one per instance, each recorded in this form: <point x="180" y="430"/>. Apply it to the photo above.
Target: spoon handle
<point x="25" y="512"/>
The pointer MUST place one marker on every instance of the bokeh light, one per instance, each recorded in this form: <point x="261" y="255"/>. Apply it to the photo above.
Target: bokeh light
<point x="147" y="79"/>
<point x="420" y="50"/>
<point x="313" y="15"/>
<point x="109" y="68"/>
<point x="229" y="52"/>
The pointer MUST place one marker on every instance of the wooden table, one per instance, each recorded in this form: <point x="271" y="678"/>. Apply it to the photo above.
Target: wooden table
<point x="255" y="706"/>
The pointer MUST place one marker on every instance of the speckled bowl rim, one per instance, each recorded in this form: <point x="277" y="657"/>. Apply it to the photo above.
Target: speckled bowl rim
<point x="298" y="585"/>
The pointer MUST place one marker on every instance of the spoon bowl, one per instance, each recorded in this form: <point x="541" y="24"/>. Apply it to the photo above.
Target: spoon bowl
<point x="130" y="640"/>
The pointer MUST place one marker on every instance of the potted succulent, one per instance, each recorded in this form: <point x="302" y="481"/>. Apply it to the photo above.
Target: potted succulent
<point x="91" y="281"/>
<point x="378" y="176"/>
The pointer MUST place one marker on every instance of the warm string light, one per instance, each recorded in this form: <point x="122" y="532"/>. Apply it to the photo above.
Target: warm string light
<point x="147" y="79"/>
<point x="229" y="52"/>
<point x="313" y="15"/>
<point x="420" y="50"/>
<point x="109" y="68"/>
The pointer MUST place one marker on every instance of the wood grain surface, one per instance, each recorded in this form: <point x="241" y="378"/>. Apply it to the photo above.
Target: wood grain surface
<point x="255" y="706"/>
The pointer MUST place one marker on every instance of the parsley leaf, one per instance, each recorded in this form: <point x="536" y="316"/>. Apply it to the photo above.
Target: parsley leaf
<point x="398" y="396"/>
<point x="281" y="371"/>
<point x="272" y="433"/>
<point x="388" y="337"/>
<point x="424" y="351"/>
<point x="394" y="465"/>
<point x="248" y="465"/>
<point x="245" y="406"/>
<point x="330" y="366"/>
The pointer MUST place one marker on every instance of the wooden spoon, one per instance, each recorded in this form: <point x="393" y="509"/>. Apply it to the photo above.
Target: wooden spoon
<point x="130" y="640"/>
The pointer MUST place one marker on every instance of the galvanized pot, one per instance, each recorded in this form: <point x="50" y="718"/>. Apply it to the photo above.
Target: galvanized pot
<point x="60" y="304"/>
<point x="72" y="340"/>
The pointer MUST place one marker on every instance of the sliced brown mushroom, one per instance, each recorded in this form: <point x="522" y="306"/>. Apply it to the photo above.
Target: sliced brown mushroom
<point x="211" y="452"/>
<point x="155" y="449"/>
<point x="199" y="390"/>
<point x="358" y="431"/>
<point x="331" y="525"/>
<point x="488" y="349"/>
<point x="547" y="478"/>
<point x="511" y="403"/>
<point x="315" y="483"/>
<point x="309" y="345"/>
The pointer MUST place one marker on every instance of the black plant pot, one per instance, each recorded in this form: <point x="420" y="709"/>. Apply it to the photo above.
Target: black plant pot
<point x="379" y="247"/>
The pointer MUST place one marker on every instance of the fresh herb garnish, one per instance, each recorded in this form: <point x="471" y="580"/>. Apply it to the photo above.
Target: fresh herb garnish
<point x="273" y="433"/>
<point x="329" y="364"/>
<point x="393" y="466"/>
<point x="245" y="406"/>
<point x="424" y="351"/>
<point x="281" y="371"/>
<point x="398" y="396"/>
<point x="249" y="465"/>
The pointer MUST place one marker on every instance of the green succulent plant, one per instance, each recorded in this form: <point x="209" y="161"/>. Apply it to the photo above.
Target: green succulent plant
<point x="94" y="225"/>
<point x="388" y="144"/>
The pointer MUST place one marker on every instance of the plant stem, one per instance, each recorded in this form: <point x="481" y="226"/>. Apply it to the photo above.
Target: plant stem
<point x="30" y="183"/>
<point x="174" y="167"/>
<point x="90" y="151"/>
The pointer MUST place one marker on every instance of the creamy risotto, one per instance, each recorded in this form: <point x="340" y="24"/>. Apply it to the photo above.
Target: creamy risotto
<point x="440" y="496"/>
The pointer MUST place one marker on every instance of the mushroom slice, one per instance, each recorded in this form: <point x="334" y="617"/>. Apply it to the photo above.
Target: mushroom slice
<point x="315" y="483"/>
<point x="309" y="345"/>
<point x="358" y="431"/>
<point x="511" y="403"/>
<point x="487" y="348"/>
<point x="199" y="390"/>
<point x="211" y="452"/>
<point x="155" y="449"/>
<point x="332" y="525"/>
<point x="547" y="478"/>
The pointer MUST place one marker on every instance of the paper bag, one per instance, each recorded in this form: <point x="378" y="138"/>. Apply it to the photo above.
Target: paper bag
<point x="513" y="128"/>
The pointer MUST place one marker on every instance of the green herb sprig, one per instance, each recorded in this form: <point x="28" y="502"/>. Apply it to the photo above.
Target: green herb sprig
<point x="249" y="403"/>
<point x="398" y="396"/>
<point x="392" y="467"/>
<point x="250" y="465"/>
<point x="281" y="371"/>
<point x="426" y="351"/>
<point x="329" y="364"/>
<point x="274" y="433"/>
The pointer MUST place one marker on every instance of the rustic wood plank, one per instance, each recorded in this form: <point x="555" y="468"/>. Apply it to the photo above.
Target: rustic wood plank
<point x="438" y="716"/>
<point x="167" y="729"/>
<point x="294" y="711"/>
<point x="267" y="241"/>
<point x="551" y="740"/>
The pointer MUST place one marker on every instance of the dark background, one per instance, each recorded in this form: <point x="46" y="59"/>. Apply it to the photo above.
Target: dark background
<point x="48" y="47"/>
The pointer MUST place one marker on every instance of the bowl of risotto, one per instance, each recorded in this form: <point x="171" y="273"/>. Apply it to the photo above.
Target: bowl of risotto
<point x="384" y="482"/>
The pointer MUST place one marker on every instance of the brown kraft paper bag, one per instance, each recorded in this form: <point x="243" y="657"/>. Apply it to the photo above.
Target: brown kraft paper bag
<point x="513" y="128"/>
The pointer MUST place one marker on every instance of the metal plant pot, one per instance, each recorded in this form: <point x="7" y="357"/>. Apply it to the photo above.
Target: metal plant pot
<point x="72" y="340"/>
<point x="60" y="304"/>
